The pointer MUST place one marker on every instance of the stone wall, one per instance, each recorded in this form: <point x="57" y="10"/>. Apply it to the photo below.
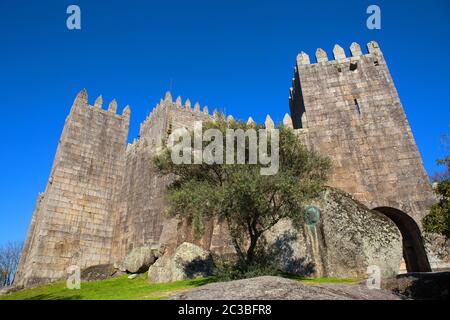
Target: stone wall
<point x="141" y="220"/>
<point x="72" y="223"/>
<point x="348" y="108"/>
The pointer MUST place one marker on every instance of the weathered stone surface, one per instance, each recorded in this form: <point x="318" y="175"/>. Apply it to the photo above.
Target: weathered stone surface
<point x="10" y="289"/>
<point x="140" y="259"/>
<point x="275" y="288"/>
<point x="99" y="272"/>
<point x="350" y="110"/>
<point x="432" y="286"/>
<point x="347" y="239"/>
<point x="438" y="250"/>
<point x="140" y="220"/>
<point x="321" y="56"/>
<point x="355" y="116"/>
<point x="355" y="49"/>
<point x="73" y="220"/>
<point x="188" y="261"/>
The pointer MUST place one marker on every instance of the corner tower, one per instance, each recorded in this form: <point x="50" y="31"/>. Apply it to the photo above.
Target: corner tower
<point x="348" y="108"/>
<point x="73" y="219"/>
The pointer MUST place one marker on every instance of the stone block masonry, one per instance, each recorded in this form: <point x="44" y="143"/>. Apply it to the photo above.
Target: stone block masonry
<point x="72" y="222"/>
<point x="349" y="109"/>
<point x="104" y="197"/>
<point x="141" y="220"/>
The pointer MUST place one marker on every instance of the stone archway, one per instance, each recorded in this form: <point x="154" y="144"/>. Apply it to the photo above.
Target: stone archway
<point x="413" y="249"/>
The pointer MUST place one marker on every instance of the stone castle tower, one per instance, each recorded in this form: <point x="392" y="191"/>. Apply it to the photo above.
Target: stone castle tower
<point x="349" y="109"/>
<point x="104" y="198"/>
<point x="72" y="221"/>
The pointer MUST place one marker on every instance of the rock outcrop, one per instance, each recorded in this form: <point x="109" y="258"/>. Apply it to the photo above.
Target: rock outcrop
<point x="276" y="288"/>
<point x="9" y="289"/>
<point x="140" y="259"/>
<point x="346" y="240"/>
<point x="421" y="286"/>
<point x="438" y="250"/>
<point x="187" y="262"/>
<point x="100" y="272"/>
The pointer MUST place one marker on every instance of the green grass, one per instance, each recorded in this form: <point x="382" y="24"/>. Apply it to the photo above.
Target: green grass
<point x="122" y="288"/>
<point x="317" y="281"/>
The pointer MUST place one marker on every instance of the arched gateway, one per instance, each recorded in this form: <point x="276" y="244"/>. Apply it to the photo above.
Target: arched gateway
<point x="413" y="249"/>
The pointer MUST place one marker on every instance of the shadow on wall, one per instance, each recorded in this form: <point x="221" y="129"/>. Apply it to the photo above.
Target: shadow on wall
<point x="279" y="256"/>
<point x="198" y="267"/>
<point x="283" y="255"/>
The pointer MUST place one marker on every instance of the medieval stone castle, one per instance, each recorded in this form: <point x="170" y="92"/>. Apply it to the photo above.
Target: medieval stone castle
<point x="104" y="198"/>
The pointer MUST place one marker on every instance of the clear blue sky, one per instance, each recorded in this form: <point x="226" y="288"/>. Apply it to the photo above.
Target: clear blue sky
<point x="236" y="55"/>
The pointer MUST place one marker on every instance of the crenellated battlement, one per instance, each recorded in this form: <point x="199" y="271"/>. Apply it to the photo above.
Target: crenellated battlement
<point x="81" y="103"/>
<point x="345" y="105"/>
<point x="339" y="54"/>
<point x="81" y="194"/>
<point x="169" y="112"/>
<point x="332" y="71"/>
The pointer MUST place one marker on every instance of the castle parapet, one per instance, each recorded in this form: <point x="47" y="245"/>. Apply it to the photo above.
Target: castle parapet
<point x="74" y="214"/>
<point x="168" y="115"/>
<point x="339" y="53"/>
<point x="81" y="104"/>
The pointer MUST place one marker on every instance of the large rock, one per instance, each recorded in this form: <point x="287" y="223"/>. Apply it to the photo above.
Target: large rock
<point x="187" y="262"/>
<point x="347" y="239"/>
<point x="427" y="285"/>
<point x="99" y="272"/>
<point x="438" y="251"/>
<point x="9" y="289"/>
<point x="276" y="288"/>
<point x="140" y="259"/>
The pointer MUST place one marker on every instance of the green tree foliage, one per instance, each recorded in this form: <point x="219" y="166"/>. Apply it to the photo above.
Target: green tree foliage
<point x="438" y="220"/>
<point x="249" y="203"/>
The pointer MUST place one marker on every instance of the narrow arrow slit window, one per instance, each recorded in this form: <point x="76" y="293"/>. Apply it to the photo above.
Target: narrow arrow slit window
<point x="357" y="107"/>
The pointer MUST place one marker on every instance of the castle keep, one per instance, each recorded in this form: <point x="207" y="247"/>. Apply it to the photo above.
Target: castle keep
<point x="104" y="197"/>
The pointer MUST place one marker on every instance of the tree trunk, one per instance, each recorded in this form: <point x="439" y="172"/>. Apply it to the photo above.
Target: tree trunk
<point x="251" y="249"/>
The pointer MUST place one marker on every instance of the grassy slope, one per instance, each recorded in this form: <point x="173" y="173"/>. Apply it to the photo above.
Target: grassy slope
<point x="123" y="288"/>
<point x="120" y="288"/>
